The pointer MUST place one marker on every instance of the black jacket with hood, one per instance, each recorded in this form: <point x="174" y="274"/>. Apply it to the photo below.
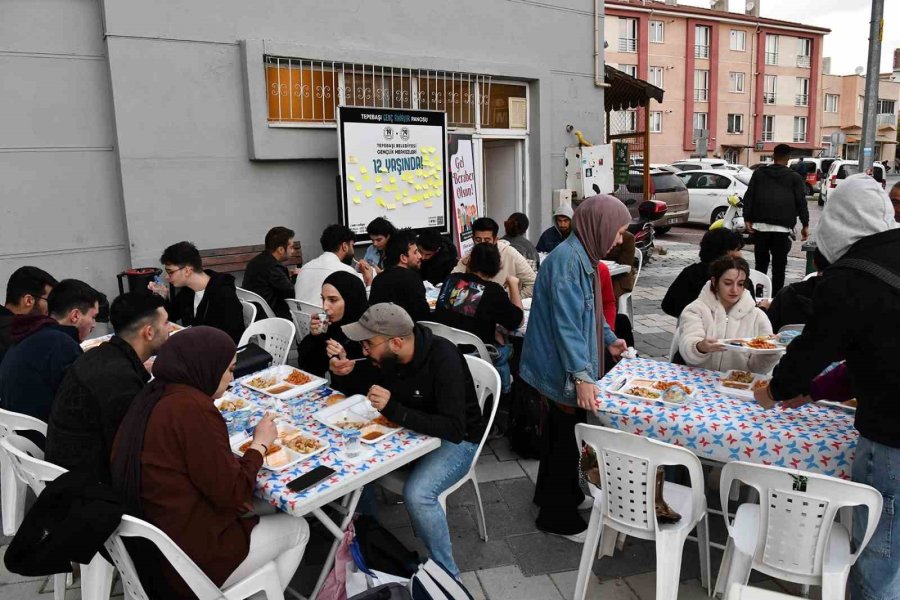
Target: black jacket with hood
<point x="219" y="308"/>
<point x="270" y="279"/>
<point x="793" y="304"/>
<point x="437" y="268"/>
<point x="776" y="195"/>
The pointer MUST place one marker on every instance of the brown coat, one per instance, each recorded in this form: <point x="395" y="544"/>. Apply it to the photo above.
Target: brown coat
<point x="192" y="486"/>
<point x="623" y="254"/>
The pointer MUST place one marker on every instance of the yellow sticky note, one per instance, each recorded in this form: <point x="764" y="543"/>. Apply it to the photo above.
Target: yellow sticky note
<point x="406" y="201"/>
<point x="352" y="159"/>
<point x="368" y="193"/>
<point x="424" y="149"/>
<point x="380" y="202"/>
<point x="428" y="205"/>
<point x="391" y="206"/>
<point x="430" y="149"/>
<point x="366" y="178"/>
<point x="406" y="192"/>
<point x="419" y="172"/>
<point x="351" y="177"/>
<point x="417" y="198"/>
<point x="383" y="170"/>
<point x="392" y="179"/>
<point x="440" y="179"/>
<point x="358" y="187"/>
<point x="378" y="179"/>
<point x="363" y="170"/>
<point x="398" y="197"/>
<point x="356" y="200"/>
<point x="427" y="195"/>
<point x="439" y="193"/>
<point x="418" y="187"/>
<point x="378" y="186"/>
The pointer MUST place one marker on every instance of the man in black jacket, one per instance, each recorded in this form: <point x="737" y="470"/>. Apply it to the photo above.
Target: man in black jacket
<point x="439" y="256"/>
<point x="204" y="297"/>
<point x="400" y="282"/>
<point x="774" y="200"/>
<point x="856" y="317"/>
<point x="266" y="276"/>
<point x="26" y="293"/>
<point x="98" y="388"/>
<point x="793" y="304"/>
<point x="423" y="383"/>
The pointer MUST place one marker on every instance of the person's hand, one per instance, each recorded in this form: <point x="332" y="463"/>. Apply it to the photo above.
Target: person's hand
<point x="804" y="234"/>
<point x="763" y="397"/>
<point x="765" y="303"/>
<point x="334" y="350"/>
<point x="379" y="397"/>
<point x="796" y="402"/>
<point x="293" y="271"/>
<point x="265" y="431"/>
<point x="586" y="393"/>
<point x="316" y="326"/>
<point x="617" y="348"/>
<point x="710" y="345"/>
<point x="365" y="269"/>
<point x="160" y="289"/>
<point x="748" y="226"/>
<point x="512" y="282"/>
<point x="341" y="366"/>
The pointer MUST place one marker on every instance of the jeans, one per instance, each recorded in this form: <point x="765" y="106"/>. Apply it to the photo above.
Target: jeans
<point x="429" y="477"/>
<point x="778" y="244"/>
<point x="502" y="366"/>
<point x="876" y="574"/>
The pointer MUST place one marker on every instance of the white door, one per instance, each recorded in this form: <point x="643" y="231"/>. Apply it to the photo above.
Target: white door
<point x="502" y="165"/>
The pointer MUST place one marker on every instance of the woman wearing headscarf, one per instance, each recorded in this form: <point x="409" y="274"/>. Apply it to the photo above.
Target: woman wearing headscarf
<point x="562" y="356"/>
<point x="174" y="466"/>
<point x="343" y="301"/>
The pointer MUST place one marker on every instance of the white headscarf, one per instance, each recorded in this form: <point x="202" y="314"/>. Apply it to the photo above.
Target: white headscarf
<point x="858" y="208"/>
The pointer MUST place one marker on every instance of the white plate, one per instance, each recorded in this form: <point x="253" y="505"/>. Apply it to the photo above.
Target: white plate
<point x="94" y="342"/>
<point x="277" y="375"/>
<point x="735" y="345"/>
<point x="745" y="394"/>
<point x="295" y="457"/>
<point x="620" y="385"/>
<point x="354" y="410"/>
<point x="232" y="397"/>
<point x="837" y="405"/>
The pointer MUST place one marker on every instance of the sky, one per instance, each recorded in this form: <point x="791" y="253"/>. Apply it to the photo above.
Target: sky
<point x="847" y="44"/>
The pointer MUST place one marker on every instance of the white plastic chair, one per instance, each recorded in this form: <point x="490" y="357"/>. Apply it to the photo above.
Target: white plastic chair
<point x="265" y="579"/>
<point x="745" y="592"/>
<point x="28" y="464"/>
<point x="792" y="327"/>
<point x="626" y="302"/>
<point x="278" y="334"/>
<point x="811" y="275"/>
<point x="12" y="489"/>
<point x="757" y="278"/>
<point x="625" y="504"/>
<point x="487" y="383"/>
<point x="793" y="534"/>
<point x="254" y="298"/>
<point x="673" y="347"/>
<point x="249" y="312"/>
<point x="458" y="336"/>
<point x="301" y="314"/>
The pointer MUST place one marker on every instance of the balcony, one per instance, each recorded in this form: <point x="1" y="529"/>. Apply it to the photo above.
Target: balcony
<point x="701" y="51"/>
<point x="627" y="45"/>
<point x="802" y="61"/>
<point x="771" y="58"/>
<point x="801" y="100"/>
<point x="886" y="119"/>
<point x="767" y="136"/>
<point x="701" y="94"/>
<point x="768" y="97"/>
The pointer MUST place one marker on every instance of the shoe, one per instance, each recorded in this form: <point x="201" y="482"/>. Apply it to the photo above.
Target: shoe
<point x="578" y="538"/>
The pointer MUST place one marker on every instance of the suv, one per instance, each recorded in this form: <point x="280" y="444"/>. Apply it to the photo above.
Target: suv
<point x="695" y="164"/>
<point x="665" y="187"/>
<point x="842" y="169"/>
<point x="812" y="170"/>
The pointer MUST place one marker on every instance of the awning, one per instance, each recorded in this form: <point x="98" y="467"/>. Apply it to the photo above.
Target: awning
<point x="625" y="91"/>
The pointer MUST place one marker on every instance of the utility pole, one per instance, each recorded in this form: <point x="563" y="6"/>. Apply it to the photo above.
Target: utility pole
<point x="869" y="131"/>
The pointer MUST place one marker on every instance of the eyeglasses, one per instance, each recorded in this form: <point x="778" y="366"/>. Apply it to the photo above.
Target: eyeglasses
<point x="367" y="345"/>
<point x="171" y="272"/>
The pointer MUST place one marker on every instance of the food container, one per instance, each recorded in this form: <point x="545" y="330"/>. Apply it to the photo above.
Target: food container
<point x="644" y="389"/>
<point x="286" y="453"/>
<point x="282" y="382"/>
<point x="356" y="413"/>
<point x="741" y="384"/>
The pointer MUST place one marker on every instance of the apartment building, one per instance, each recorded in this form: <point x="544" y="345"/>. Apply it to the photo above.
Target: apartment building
<point x="744" y="82"/>
<point x="843" y="102"/>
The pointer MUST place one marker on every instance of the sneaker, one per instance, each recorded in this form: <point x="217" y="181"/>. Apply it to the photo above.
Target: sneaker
<point x="578" y="538"/>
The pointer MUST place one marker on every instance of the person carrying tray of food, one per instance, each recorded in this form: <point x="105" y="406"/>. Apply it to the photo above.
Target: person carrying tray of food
<point x="724" y="309"/>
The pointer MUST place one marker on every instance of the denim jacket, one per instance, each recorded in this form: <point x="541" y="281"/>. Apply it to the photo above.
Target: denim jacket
<point x="560" y="342"/>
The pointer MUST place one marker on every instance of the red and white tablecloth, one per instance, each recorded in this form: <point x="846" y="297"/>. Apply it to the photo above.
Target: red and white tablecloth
<point x="722" y="428"/>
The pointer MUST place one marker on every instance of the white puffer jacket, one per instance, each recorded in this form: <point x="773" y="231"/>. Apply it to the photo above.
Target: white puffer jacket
<point x="705" y="317"/>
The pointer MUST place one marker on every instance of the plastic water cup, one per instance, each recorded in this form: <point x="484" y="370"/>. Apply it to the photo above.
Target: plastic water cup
<point x="229" y="423"/>
<point x="240" y="421"/>
<point x="352" y="445"/>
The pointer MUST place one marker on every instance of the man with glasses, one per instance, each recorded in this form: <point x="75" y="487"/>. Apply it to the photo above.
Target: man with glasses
<point x="400" y="281"/>
<point x="484" y="231"/>
<point x="204" y="297"/>
<point x="26" y="294"/>
<point x="423" y="383"/>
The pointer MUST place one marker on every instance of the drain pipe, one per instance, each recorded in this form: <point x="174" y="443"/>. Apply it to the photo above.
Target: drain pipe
<point x="598" y="45"/>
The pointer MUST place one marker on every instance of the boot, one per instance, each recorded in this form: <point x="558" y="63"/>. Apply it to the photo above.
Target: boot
<point x="664" y="513"/>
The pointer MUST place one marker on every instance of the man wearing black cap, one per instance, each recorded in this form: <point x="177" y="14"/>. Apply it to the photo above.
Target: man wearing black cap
<point x="774" y="200"/>
<point x="423" y="383"/>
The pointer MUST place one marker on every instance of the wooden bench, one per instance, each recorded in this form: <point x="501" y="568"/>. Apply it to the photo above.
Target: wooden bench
<point x="235" y="259"/>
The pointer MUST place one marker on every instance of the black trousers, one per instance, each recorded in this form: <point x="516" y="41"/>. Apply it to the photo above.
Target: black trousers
<point x="778" y="245"/>
<point x="557" y="491"/>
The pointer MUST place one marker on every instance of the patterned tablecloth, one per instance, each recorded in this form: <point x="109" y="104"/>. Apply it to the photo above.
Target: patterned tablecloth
<point x="382" y="458"/>
<point x="722" y="428"/>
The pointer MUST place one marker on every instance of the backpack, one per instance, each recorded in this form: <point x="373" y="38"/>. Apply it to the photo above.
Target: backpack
<point x="433" y="582"/>
<point x="525" y="412"/>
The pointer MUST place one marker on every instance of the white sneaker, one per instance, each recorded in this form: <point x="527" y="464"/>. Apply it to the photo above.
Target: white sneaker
<point x="578" y="538"/>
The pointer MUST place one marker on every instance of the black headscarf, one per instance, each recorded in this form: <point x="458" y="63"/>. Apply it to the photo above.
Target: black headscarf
<point x="352" y="290"/>
<point x="197" y="357"/>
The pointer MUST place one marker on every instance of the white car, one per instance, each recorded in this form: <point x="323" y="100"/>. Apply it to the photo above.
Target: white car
<point x="709" y="191"/>
<point x="842" y="169"/>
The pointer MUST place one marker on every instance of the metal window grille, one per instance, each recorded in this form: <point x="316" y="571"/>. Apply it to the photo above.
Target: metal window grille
<point x="802" y="61"/>
<point x="303" y="91"/>
<point x="627" y="45"/>
<point x="701" y="51"/>
<point x="771" y="58"/>
<point x="768" y="97"/>
<point x="701" y="94"/>
<point x="801" y="100"/>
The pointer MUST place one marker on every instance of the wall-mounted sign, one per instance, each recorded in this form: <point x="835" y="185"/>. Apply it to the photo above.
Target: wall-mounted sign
<point x="392" y="166"/>
<point x="464" y="193"/>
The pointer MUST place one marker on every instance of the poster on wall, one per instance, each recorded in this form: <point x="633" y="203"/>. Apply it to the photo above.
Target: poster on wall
<point x="392" y="166"/>
<point x="463" y="190"/>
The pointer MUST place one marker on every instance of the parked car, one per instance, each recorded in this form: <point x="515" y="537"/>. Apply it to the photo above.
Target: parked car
<point x="813" y="171"/>
<point x="842" y="169"/>
<point x="665" y="187"/>
<point x="709" y="190"/>
<point x="695" y="164"/>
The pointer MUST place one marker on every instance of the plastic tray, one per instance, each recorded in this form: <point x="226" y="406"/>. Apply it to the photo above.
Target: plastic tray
<point x="620" y="385"/>
<point x="357" y="413"/>
<point x="279" y="388"/>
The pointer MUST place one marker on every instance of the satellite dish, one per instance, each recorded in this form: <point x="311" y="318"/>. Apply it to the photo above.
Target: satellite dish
<point x="858" y="70"/>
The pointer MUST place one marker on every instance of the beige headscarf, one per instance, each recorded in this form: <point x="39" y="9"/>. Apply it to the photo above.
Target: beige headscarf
<point x="596" y="222"/>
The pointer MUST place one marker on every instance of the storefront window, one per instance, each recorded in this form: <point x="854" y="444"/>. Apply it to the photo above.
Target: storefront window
<point x="298" y="94"/>
<point x="454" y="94"/>
<point x="504" y="106"/>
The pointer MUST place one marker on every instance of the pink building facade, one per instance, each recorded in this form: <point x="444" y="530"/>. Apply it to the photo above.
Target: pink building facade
<point x="748" y="83"/>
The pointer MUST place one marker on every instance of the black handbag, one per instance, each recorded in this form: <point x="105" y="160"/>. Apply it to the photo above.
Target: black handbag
<point x="250" y="359"/>
<point x="388" y="591"/>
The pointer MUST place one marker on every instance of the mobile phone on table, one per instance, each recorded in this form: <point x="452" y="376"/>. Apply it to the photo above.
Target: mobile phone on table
<point x="307" y="480"/>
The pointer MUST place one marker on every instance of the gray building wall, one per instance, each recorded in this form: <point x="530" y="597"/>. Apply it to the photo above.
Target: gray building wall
<point x="187" y="119"/>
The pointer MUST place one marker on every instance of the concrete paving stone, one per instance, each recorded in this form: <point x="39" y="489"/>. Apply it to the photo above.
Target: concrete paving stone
<point x="610" y="589"/>
<point x="490" y="469"/>
<point x="6" y="577"/>
<point x="530" y="466"/>
<point x="509" y="583"/>
<point x="541" y="553"/>
<point x="29" y="590"/>
<point x="471" y="553"/>
<point x="502" y="449"/>
<point x="644" y="587"/>
<point x="465" y="496"/>
<point x="393" y="515"/>
<point x="504" y="521"/>
<point x="470" y="580"/>
<point x="517" y="493"/>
